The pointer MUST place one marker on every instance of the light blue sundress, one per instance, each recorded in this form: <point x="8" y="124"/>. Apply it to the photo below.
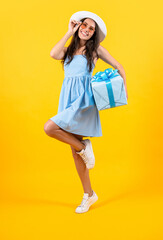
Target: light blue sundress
<point x="77" y="111"/>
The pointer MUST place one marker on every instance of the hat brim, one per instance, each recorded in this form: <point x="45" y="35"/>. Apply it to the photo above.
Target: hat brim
<point x="86" y="14"/>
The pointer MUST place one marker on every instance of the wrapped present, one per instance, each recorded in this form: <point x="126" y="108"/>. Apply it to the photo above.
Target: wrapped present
<point x="108" y="89"/>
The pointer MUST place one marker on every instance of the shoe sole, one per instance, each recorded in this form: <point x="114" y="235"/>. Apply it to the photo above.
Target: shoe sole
<point x="90" y="166"/>
<point x="92" y="202"/>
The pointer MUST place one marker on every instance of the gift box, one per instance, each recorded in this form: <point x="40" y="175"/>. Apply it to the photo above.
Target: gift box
<point x="108" y="89"/>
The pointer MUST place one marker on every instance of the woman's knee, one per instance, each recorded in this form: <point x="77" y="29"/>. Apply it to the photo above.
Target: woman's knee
<point x="50" y="127"/>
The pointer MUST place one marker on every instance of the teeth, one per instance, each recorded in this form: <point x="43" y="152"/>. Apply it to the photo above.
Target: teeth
<point x="84" y="34"/>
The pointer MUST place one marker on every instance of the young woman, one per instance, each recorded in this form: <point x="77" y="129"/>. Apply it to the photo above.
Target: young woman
<point x="77" y="115"/>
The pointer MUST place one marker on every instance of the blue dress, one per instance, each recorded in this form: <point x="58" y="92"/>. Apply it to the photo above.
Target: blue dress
<point x="77" y="111"/>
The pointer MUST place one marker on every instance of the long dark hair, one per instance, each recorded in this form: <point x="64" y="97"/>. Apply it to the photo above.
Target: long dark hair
<point x="90" y="47"/>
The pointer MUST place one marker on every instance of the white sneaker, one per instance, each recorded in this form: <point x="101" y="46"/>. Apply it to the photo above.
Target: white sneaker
<point x="86" y="202"/>
<point x="87" y="154"/>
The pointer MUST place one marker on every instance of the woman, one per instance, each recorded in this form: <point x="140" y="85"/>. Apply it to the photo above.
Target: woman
<point x="77" y="115"/>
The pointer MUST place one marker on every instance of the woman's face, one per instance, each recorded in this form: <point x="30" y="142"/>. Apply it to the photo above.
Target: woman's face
<point x="86" y="29"/>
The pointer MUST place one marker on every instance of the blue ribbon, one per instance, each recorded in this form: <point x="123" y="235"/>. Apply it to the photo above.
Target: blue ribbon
<point x="106" y="76"/>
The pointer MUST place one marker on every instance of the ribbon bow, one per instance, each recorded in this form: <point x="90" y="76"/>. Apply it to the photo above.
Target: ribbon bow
<point x="106" y="76"/>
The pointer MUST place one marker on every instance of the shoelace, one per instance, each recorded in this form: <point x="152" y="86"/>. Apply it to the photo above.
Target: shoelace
<point x="84" y="157"/>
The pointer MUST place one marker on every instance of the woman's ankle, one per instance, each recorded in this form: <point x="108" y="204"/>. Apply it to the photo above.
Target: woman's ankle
<point x="81" y="148"/>
<point x="84" y="146"/>
<point x="90" y="193"/>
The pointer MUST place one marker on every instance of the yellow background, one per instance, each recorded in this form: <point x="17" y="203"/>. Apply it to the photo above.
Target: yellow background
<point x="40" y="187"/>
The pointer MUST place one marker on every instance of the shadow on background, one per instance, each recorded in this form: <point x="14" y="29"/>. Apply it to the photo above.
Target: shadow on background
<point x="28" y="201"/>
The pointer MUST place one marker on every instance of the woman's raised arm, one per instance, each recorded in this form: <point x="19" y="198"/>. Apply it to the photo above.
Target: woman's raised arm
<point x="59" y="50"/>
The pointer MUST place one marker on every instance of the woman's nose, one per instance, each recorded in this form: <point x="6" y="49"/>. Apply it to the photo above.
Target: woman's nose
<point x="87" y="29"/>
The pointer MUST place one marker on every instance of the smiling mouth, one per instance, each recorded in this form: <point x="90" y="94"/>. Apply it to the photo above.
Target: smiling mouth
<point x="84" y="34"/>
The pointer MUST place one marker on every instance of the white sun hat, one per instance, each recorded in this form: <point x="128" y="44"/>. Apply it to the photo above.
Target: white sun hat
<point x="86" y="14"/>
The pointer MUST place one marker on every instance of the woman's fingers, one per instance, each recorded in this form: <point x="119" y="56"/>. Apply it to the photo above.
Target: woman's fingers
<point x="76" y="22"/>
<point x="73" y="25"/>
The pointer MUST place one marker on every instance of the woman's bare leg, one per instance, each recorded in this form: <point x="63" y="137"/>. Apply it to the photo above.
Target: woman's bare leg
<point x="82" y="170"/>
<point x="53" y="130"/>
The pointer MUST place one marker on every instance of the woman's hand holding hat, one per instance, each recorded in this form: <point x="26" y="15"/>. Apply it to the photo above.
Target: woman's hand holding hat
<point x="73" y="26"/>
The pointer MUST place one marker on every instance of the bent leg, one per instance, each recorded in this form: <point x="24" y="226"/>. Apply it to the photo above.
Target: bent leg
<point x="83" y="171"/>
<point x="53" y="130"/>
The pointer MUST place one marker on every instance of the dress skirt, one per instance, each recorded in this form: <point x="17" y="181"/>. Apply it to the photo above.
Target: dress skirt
<point x="77" y="111"/>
